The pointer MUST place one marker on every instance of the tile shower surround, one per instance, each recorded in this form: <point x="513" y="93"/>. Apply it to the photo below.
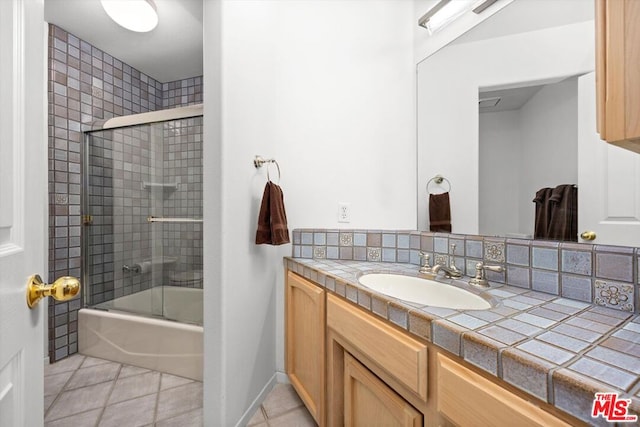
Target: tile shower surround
<point x="87" y="84"/>
<point x="608" y="276"/>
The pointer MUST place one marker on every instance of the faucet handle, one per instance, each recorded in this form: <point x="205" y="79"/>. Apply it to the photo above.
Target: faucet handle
<point x="425" y="267"/>
<point x="480" y="280"/>
<point x="452" y="263"/>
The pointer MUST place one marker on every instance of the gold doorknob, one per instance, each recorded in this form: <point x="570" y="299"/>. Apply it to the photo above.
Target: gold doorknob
<point x="62" y="289"/>
<point x="588" y="235"/>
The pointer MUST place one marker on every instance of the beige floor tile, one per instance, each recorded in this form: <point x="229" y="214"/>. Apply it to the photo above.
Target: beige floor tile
<point x="86" y="419"/>
<point x="299" y="417"/>
<point x="53" y="384"/>
<point x="93" y="361"/>
<point x="178" y="400"/>
<point x="190" y="419"/>
<point x="128" y="371"/>
<point x="48" y="400"/>
<point x="93" y="374"/>
<point x="170" y="381"/>
<point x="69" y="364"/>
<point x="135" y="386"/>
<point x="79" y="400"/>
<point x="132" y="413"/>
<point x="281" y="399"/>
<point x="258" y="417"/>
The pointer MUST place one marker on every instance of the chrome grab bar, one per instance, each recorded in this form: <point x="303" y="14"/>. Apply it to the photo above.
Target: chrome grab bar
<point x="156" y="219"/>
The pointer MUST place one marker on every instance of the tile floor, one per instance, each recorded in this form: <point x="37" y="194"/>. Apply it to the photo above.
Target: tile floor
<point x="282" y="408"/>
<point x="84" y="391"/>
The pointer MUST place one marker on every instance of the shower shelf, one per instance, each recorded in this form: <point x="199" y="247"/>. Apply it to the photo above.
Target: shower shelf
<point x="171" y="186"/>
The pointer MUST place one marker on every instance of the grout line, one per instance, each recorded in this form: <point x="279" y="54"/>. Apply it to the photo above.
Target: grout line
<point x="62" y="390"/>
<point x="155" y="410"/>
<point x="113" y="385"/>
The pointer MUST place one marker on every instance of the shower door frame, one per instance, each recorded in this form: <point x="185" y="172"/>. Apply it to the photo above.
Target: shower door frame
<point x="115" y="123"/>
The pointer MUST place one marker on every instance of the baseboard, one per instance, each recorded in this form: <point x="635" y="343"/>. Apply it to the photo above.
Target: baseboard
<point x="46" y="361"/>
<point x="282" y="378"/>
<point x="244" y="420"/>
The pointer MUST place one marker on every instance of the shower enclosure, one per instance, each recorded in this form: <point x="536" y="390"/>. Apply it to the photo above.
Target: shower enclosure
<point x="142" y="215"/>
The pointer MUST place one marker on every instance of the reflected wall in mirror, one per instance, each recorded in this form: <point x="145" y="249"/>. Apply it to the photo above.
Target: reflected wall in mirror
<point x="529" y="134"/>
<point x="546" y="49"/>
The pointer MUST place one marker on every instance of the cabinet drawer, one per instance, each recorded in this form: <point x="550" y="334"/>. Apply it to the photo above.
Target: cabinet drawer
<point x="468" y="399"/>
<point x="401" y="356"/>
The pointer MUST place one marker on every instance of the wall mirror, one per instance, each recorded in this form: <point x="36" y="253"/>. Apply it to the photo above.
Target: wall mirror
<point x="508" y="109"/>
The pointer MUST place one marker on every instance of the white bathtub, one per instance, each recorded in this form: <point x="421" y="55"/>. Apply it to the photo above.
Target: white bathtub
<point x="169" y="302"/>
<point x="163" y="345"/>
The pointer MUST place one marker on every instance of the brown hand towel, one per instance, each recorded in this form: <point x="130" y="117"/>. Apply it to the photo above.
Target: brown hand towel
<point x="543" y="213"/>
<point x="272" y="220"/>
<point x="439" y="212"/>
<point x="563" y="224"/>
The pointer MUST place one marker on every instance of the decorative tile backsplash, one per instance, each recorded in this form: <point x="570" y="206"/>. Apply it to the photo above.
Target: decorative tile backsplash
<point x="608" y="276"/>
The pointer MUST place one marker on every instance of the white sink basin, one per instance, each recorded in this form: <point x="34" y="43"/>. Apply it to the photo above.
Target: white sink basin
<point x="423" y="291"/>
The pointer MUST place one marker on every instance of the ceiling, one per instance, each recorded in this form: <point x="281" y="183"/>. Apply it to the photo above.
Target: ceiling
<point x="530" y="15"/>
<point x="171" y="51"/>
<point x="510" y="99"/>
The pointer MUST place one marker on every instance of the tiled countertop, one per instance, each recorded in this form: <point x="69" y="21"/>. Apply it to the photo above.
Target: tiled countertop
<point x="559" y="350"/>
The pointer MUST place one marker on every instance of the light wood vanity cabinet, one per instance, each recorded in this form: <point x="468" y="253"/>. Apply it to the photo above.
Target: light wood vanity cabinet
<point x="305" y="342"/>
<point x="617" y="75"/>
<point x="465" y="398"/>
<point x="368" y="401"/>
<point x="352" y="368"/>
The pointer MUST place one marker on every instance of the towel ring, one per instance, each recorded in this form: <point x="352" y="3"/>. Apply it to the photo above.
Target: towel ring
<point x="258" y="162"/>
<point x="438" y="179"/>
<point x="277" y="167"/>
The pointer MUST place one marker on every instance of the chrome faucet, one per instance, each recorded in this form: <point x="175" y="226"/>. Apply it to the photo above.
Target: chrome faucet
<point x="452" y="270"/>
<point x="480" y="281"/>
<point x="449" y="272"/>
<point x="131" y="268"/>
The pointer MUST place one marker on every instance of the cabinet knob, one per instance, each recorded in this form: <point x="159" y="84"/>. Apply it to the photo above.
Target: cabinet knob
<point x="588" y="235"/>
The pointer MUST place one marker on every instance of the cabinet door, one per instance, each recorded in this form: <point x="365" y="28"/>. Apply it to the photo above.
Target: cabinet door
<point x="305" y="342"/>
<point x="369" y="402"/>
<point x="618" y="82"/>
<point x="468" y="399"/>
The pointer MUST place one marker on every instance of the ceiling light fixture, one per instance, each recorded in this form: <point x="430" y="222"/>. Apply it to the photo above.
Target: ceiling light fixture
<point x="135" y="15"/>
<point x="447" y="11"/>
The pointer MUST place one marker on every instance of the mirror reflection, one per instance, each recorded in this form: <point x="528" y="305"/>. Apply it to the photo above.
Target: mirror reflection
<point x="529" y="134"/>
<point x="538" y="58"/>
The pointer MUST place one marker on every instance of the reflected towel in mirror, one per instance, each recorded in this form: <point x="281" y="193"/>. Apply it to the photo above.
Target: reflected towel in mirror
<point x="439" y="212"/>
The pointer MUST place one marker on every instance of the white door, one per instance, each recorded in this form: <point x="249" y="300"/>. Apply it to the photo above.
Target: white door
<point x="608" y="179"/>
<point x="23" y="208"/>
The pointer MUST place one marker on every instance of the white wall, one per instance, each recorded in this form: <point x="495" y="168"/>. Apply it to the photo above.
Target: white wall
<point x="448" y="85"/>
<point x="327" y="88"/>
<point x="499" y="159"/>
<point x="549" y="123"/>
<point x="522" y="151"/>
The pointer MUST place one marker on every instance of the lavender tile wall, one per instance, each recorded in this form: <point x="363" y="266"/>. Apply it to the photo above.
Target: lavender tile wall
<point x="87" y="84"/>
<point x="604" y="275"/>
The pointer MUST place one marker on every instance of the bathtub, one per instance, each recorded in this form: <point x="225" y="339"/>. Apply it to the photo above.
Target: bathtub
<point x="162" y="345"/>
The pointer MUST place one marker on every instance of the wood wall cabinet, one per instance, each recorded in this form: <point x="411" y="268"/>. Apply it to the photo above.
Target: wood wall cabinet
<point x="305" y="342"/>
<point x="618" y="72"/>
